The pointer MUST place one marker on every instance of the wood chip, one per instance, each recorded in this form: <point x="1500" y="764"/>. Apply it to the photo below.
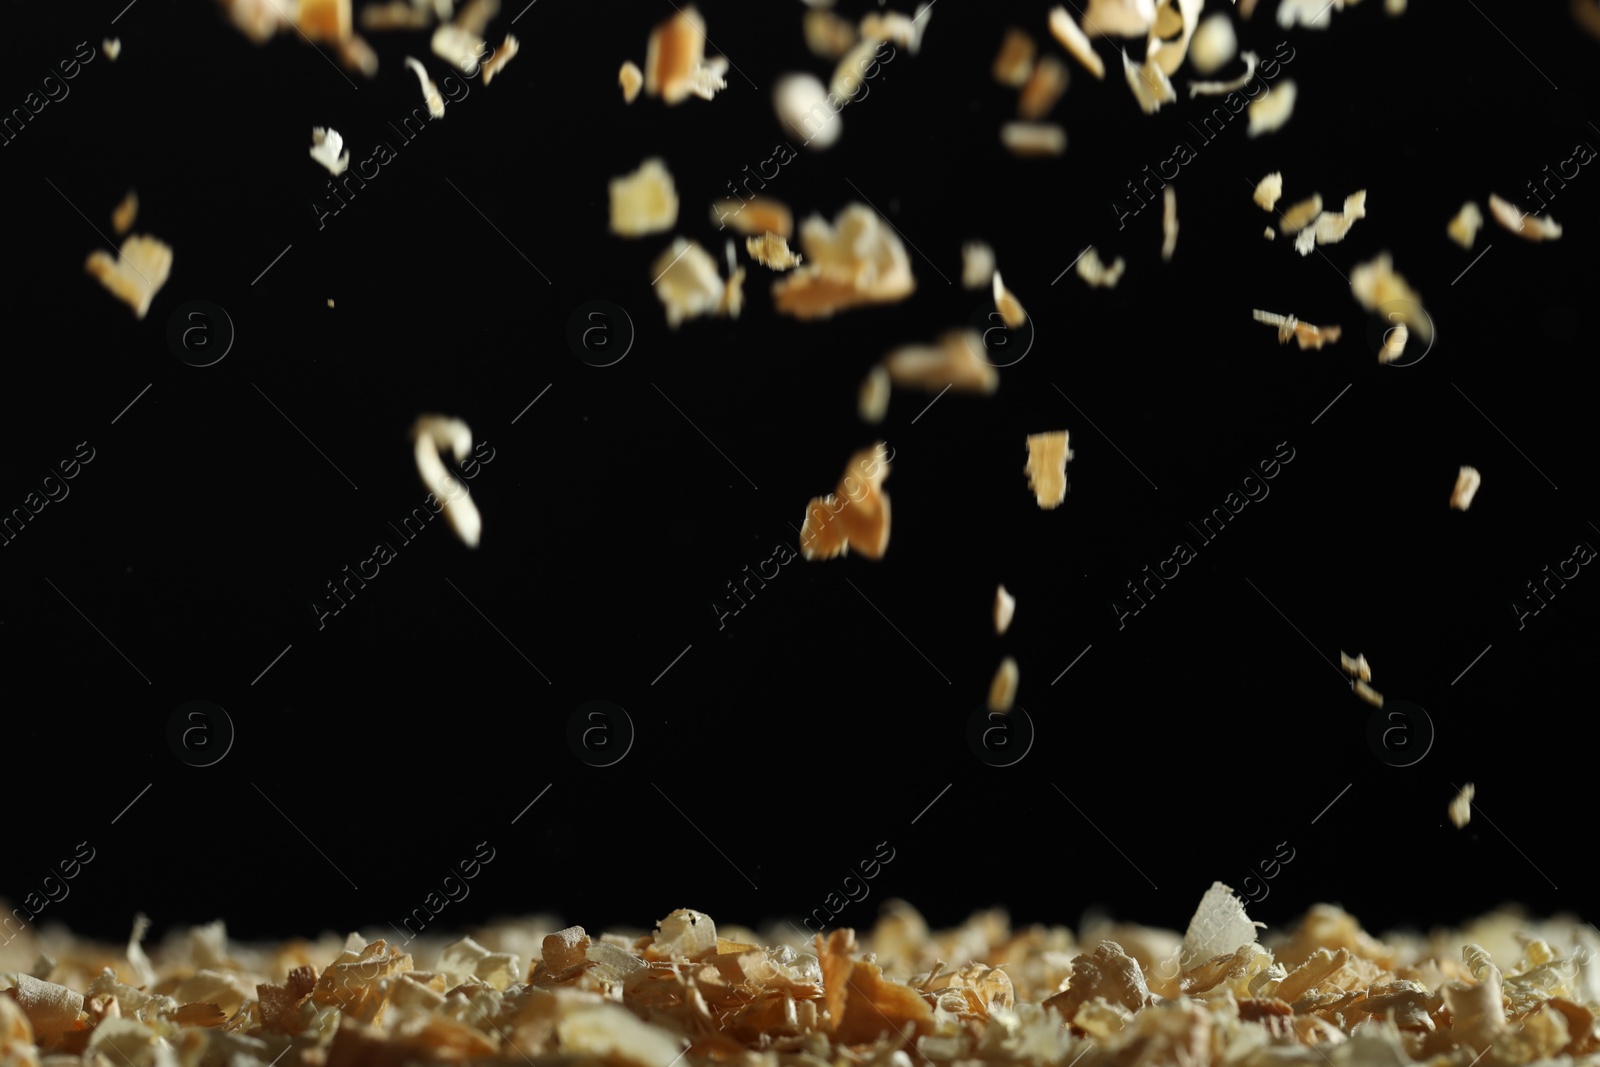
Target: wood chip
<point x="1519" y="222"/>
<point x="631" y="78"/>
<point x="430" y="91"/>
<point x="802" y="105"/>
<point x="122" y="218"/>
<point x="827" y="35"/>
<point x="977" y="265"/>
<point x="770" y="250"/>
<point x="1005" y="606"/>
<point x="1467" y="483"/>
<point x="1108" y="973"/>
<point x="1033" y="138"/>
<point x="855" y="516"/>
<point x="955" y="361"/>
<point x="754" y="217"/>
<point x="1369" y="694"/>
<point x="1214" y="44"/>
<point x="1300" y="215"/>
<point x="1269" y="189"/>
<point x="1269" y="112"/>
<point x="857" y="261"/>
<point x="1377" y="287"/>
<point x="675" y="67"/>
<point x="1014" y="62"/>
<point x="1096" y="273"/>
<point x="1289" y="327"/>
<point x="1169" y="223"/>
<point x="1047" y="467"/>
<point x="687" y="283"/>
<point x="1007" y="304"/>
<point x="327" y="21"/>
<point x="433" y="434"/>
<point x="112" y="47"/>
<point x="457" y="47"/>
<point x="1043" y="88"/>
<point x="904" y="30"/>
<point x="1394" y="343"/>
<point x="1150" y="84"/>
<point x="1356" y="668"/>
<point x="1003" y="689"/>
<point x="873" y="402"/>
<point x="1463" y="229"/>
<point x="1076" y="42"/>
<point x="137" y="274"/>
<point x="1461" y="806"/>
<point x="327" y="148"/>
<point x="1170" y="35"/>
<point x="503" y="55"/>
<point x="1269" y="233"/>
<point x="1120" y="18"/>
<point x="645" y="201"/>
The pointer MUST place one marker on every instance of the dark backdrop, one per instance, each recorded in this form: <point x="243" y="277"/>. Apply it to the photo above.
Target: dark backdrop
<point x="1187" y="743"/>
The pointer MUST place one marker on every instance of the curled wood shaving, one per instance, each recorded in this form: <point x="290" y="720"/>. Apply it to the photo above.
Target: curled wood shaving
<point x="1251" y="60"/>
<point x="1516" y="220"/>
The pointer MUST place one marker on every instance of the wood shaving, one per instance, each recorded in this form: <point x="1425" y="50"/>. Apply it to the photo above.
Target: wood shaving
<point x="457" y="47"/>
<point x="430" y="91"/>
<point x="977" y="265"/>
<point x="644" y="202"/>
<point x="1269" y="233"/>
<point x="1100" y="995"/>
<point x="953" y="362"/>
<point x="1120" y="18"/>
<point x="1150" y="84"/>
<point x="507" y="51"/>
<point x="1467" y="482"/>
<point x="1394" y="8"/>
<point x="1269" y="112"/>
<point x="1014" y="62"/>
<point x="1300" y="215"/>
<point x="1463" y="229"/>
<point x="873" y="403"/>
<point x="1169" y="223"/>
<point x="395" y="15"/>
<point x="755" y="216"/>
<point x="1356" y="668"/>
<point x="1289" y="327"/>
<point x="327" y="148"/>
<point x="1214" y="44"/>
<point x="1587" y="14"/>
<point x="1173" y="30"/>
<point x="1008" y="305"/>
<point x="1376" y="287"/>
<point x="475" y="16"/>
<point x="687" y="282"/>
<point x="827" y="35"/>
<point x="1312" y="14"/>
<point x="1096" y="273"/>
<point x="1369" y="694"/>
<point x="328" y="21"/>
<point x="1005" y="606"/>
<point x="1269" y="189"/>
<point x="1047" y="467"/>
<point x="1331" y="226"/>
<point x="122" y="218"/>
<point x="1043" y="88"/>
<point x="1394" y="343"/>
<point x="1461" y="808"/>
<point x="1076" y="42"/>
<point x="112" y="47"/>
<point x="849" y="75"/>
<point x="857" y="261"/>
<point x="859" y="521"/>
<point x="1513" y="218"/>
<point x="137" y="274"/>
<point x="770" y="250"/>
<point x="259" y="20"/>
<point x="904" y="30"/>
<point x="433" y="434"/>
<point x="1033" y="138"/>
<point x="675" y="67"/>
<point x="1251" y="60"/>
<point x="631" y="78"/>
<point x="1003" y="689"/>
<point x="357" y="55"/>
<point x="801" y="103"/>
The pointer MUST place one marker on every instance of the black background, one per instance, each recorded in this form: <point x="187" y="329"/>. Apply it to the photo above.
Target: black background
<point x="823" y="719"/>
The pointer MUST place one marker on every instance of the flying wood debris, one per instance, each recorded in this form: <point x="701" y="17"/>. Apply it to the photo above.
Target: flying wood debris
<point x="1033" y="138"/>
<point x="112" y="47"/>
<point x="1378" y="288"/>
<point x="1394" y="343"/>
<point x="1268" y="190"/>
<point x="1042" y="89"/>
<point x="770" y="250"/>
<point x="954" y="362"/>
<point x="801" y="103"/>
<point x="873" y="402"/>
<point x="1213" y="45"/>
<point x="1014" y="62"/>
<point x="1007" y="304"/>
<point x="688" y="285"/>
<point x="1150" y="84"/>
<point x="857" y="261"/>
<point x="1369" y="694"/>
<point x="1467" y="482"/>
<point x="137" y="274"/>
<point x="1268" y="113"/>
<point x="504" y="54"/>
<point x="631" y="78"/>
<point x="1289" y="327"/>
<point x="1120" y="18"/>
<point x="1463" y="229"/>
<point x="754" y="217"/>
<point x="977" y="265"/>
<point x="1169" y="223"/>
<point x="1356" y="668"/>
<point x="327" y="148"/>
<point x="1519" y="222"/>
<point x="1003" y="689"/>
<point x="644" y="202"/>
<point x="1096" y="273"/>
<point x="860" y="520"/>
<point x="1047" y="467"/>
<point x="122" y="218"/>
<point x="1300" y="215"/>
<point x="1076" y="42"/>
<point x="827" y="35"/>
<point x="1251" y="61"/>
<point x="1461" y="806"/>
<point x="1005" y="606"/>
<point x="675" y="66"/>
<point x="433" y="434"/>
<point x="430" y="91"/>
